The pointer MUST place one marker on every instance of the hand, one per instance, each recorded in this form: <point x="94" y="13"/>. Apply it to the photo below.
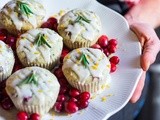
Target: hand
<point x="150" y="47"/>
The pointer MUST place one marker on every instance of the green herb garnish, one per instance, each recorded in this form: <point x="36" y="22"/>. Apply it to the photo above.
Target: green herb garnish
<point x="84" y="60"/>
<point x="29" y="80"/>
<point x="41" y="40"/>
<point x="24" y="8"/>
<point x="83" y="18"/>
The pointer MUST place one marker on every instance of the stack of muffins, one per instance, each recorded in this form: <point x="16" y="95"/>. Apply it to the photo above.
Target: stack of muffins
<point x="34" y="89"/>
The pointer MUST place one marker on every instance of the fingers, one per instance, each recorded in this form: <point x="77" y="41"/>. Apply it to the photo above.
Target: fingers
<point x="138" y="91"/>
<point x="149" y="42"/>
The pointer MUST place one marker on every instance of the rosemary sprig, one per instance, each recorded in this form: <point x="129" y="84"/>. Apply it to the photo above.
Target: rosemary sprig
<point x="84" y="60"/>
<point x="83" y="18"/>
<point x="41" y="40"/>
<point x="24" y="8"/>
<point x="29" y="80"/>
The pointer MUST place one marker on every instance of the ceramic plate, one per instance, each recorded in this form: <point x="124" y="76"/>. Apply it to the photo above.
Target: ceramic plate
<point x="124" y="80"/>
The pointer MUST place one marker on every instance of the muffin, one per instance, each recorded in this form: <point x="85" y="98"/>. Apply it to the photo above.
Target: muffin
<point x="79" y="28"/>
<point x="39" y="47"/>
<point x="87" y="69"/>
<point x="6" y="61"/>
<point x="18" y="16"/>
<point x="33" y="89"/>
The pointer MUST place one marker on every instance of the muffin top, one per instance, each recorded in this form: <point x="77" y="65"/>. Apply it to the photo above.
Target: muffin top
<point x="32" y="86"/>
<point x="6" y="57"/>
<point x="21" y="11"/>
<point x="40" y="45"/>
<point x="82" y="23"/>
<point x="86" y="62"/>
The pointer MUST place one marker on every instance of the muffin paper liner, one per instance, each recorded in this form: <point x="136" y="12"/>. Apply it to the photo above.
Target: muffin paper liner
<point x="78" y="44"/>
<point x="5" y="75"/>
<point x="49" y="65"/>
<point x="40" y="109"/>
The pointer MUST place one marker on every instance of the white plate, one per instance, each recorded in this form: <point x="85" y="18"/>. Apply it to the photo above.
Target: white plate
<point x="124" y="80"/>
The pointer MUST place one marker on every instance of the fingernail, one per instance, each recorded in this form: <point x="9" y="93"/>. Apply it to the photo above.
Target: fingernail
<point x="147" y="65"/>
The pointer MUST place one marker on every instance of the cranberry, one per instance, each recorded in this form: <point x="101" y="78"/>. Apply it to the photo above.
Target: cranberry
<point x="51" y="24"/>
<point x="3" y="34"/>
<point x="11" y="41"/>
<point x="83" y="104"/>
<point x="63" y="90"/>
<point x="112" y="42"/>
<point x="103" y="41"/>
<point x="22" y="116"/>
<point x="73" y="99"/>
<point x="35" y="116"/>
<point x="58" y="73"/>
<point x="113" y="68"/>
<point x="58" y="107"/>
<point x="112" y="48"/>
<point x="61" y="98"/>
<point x="84" y="96"/>
<point x="2" y="85"/>
<point x="74" y="92"/>
<point x="96" y="46"/>
<point x="115" y="60"/>
<point x="71" y="107"/>
<point x="17" y="67"/>
<point x="6" y="104"/>
<point x="106" y="52"/>
<point x="63" y="82"/>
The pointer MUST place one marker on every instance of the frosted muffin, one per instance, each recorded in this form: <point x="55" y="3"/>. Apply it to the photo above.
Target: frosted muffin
<point x="39" y="47"/>
<point x="79" y="28"/>
<point x="87" y="69"/>
<point x="6" y="61"/>
<point x="33" y="89"/>
<point x="18" y="16"/>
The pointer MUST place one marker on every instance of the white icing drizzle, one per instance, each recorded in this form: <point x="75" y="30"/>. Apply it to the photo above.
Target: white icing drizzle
<point x="6" y="57"/>
<point x="18" y="18"/>
<point x="47" y="85"/>
<point x="98" y="63"/>
<point x="33" y="52"/>
<point x="87" y="30"/>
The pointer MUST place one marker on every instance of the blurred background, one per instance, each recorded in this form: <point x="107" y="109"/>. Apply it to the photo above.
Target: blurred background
<point x="148" y="107"/>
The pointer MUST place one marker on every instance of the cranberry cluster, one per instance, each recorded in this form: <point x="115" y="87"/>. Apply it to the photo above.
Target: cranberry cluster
<point x="69" y="100"/>
<point x="108" y="46"/>
<point x="24" y="116"/>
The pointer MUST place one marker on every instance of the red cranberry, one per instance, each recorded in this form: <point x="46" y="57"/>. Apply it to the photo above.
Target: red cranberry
<point x="71" y="107"/>
<point x="58" y="107"/>
<point x="103" y="41"/>
<point x="115" y="60"/>
<point x="58" y="73"/>
<point x="22" y="116"/>
<point x="51" y="24"/>
<point x="84" y="96"/>
<point x="3" y="34"/>
<point x="63" y="82"/>
<point x="112" y="48"/>
<point x="83" y="104"/>
<point x="96" y="46"/>
<point x="17" y="67"/>
<point x="6" y="104"/>
<point x="74" y="92"/>
<point x="11" y="41"/>
<point x="63" y="90"/>
<point x="65" y="51"/>
<point x="73" y="99"/>
<point x="113" y="68"/>
<point x="113" y="42"/>
<point x="35" y="116"/>
<point x="61" y="98"/>
<point x="2" y="85"/>
<point x="106" y="52"/>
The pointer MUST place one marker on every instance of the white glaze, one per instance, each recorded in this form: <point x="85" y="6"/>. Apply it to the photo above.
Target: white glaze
<point x="37" y="94"/>
<point x="19" y="18"/>
<point x="97" y="59"/>
<point x="89" y="31"/>
<point x="6" y="57"/>
<point x="34" y="52"/>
